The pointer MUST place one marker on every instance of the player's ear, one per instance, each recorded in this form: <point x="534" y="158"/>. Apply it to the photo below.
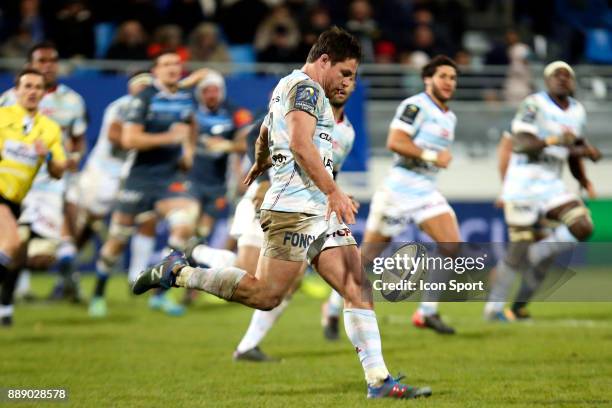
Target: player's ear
<point x="325" y="61"/>
<point x="427" y="81"/>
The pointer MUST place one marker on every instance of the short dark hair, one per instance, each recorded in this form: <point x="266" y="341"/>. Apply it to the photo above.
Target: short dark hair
<point x="338" y="44"/>
<point x="429" y="70"/>
<point x="40" y="46"/>
<point x="160" y="54"/>
<point x="27" y="71"/>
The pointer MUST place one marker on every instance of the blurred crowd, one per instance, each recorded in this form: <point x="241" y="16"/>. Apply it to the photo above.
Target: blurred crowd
<point x="404" y="31"/>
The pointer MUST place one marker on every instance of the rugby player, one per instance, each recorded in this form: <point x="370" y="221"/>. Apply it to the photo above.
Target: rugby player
<point x="303" y="214"/>
<point x="420" y="135"/>
<point x="159" y="128"/>
<point x="262" y="322"/>
<point x="547" y="131"/>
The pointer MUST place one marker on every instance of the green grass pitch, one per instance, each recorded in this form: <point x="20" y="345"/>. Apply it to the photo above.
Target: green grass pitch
<point x="142" y="358"/>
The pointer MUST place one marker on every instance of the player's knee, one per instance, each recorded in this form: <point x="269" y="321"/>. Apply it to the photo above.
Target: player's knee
<point x="120" y="233"/>
<point x="582" y="229"/>
<point x="183" y="217"/>
<point x="449" y="249"/>
<point x="578" y="220"/>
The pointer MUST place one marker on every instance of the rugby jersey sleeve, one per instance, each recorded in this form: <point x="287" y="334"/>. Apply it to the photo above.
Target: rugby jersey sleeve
<point x="409" y="117"/>
<point x="304" y="96"/>
<point x="79" y="124"/>
<point x="526" y="118"/>
<point x="136" y="109"/>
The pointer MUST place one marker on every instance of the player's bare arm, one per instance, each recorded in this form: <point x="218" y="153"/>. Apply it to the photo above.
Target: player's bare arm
<point x="504" y="151"/>
<point x="301" y="127"/>
<point x="134" y="136"/>
<point x="262" y="156"/>
<point x="189" y="146"/>
<point x="401" y="143"/>
<point x="114" y="133"/>
<point x="55" y="167"/>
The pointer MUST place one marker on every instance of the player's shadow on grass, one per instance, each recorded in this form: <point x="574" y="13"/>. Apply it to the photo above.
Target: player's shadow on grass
<point x="331" y="389"/>
<point x="309" y="353"/>
<point x="88" y="321"/>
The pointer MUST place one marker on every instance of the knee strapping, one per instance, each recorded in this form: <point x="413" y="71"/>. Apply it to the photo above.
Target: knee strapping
<point x="574" y="214"/>
<point x="183" y="216"/>
<point x="521" y="234"/>
<point x="121" y="232"/>
<point x="42" y="247"/>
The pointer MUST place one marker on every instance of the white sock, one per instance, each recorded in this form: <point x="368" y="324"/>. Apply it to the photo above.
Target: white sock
<point x="428" y="308"/>
<point x="261" y="323"/>
<point x="141" y="248"/>
<point x="221" y="282"/>
<point x="213" y="257"/>
<point x="504" y="279"/>
<point x="334" y="304"/>
<point x="362" y="330"/>
<point x="559" y="241"/>
<point x="23" y="283"/>
<point x="6" y="310"/>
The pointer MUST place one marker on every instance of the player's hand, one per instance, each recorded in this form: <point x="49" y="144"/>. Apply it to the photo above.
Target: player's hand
<point x="218" y="144"/>
<point x="185" y="163"/>
<point x="444" y="159"/>
<point x="593" y="153"/>
<point x="41" y="149"/>
<point x="342" y="205"/>
<point x="590" y="190"/>
<point x="499" y="202"/>
<point x="256" y="170"/>
<point x="260" y="193"/>
<point x="180" y="132"/>
<point x="567" y="138"/>
<point x="355" y="202"/>
<point x="194" y="78"/>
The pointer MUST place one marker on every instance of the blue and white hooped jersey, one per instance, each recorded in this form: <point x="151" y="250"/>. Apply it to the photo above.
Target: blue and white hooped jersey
<point x="343" y="138"/>
<point x="430" y="128"/>
<point x="540" y="177"/>
<point x="67" y="108"/>
<point x="105" y="157"/>
<point x="291" y="189"/>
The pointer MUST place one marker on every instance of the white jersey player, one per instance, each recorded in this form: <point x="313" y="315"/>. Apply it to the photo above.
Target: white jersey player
<point x="547" y="132"/>
<point x="303" y="213"/>
<point x="420" y="135"/>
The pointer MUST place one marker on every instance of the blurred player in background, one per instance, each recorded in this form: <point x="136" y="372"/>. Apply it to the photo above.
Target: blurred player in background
<point x="218" y="122"/>
<point x="547" y="131"/>
<point x="262" y="322"/>
<point x="159" y="128"/>
<point x="420" y="135"/>
<point x="27" y="140"/>
<point x="95" y="192"/>
<point x="44" y="206"/>
<point x="303" y="213"/>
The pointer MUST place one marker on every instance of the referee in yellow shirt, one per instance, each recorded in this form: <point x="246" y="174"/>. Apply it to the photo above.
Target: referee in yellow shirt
<point x="27" y="140"/>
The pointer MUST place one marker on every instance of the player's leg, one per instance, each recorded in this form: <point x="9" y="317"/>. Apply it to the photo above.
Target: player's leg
<point x="438" y="221"/>
<point x="576" y="225"/>
<point x="142" y="244"/>
<point x="276" y="270"/>
<point x="181" y="212"/>
<point x="9" y="247"/>
<point x="120" y="230"/>
<point x="521" y="217"/>
<point x="341" y="268"/>
<point x="261" y="323"/>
